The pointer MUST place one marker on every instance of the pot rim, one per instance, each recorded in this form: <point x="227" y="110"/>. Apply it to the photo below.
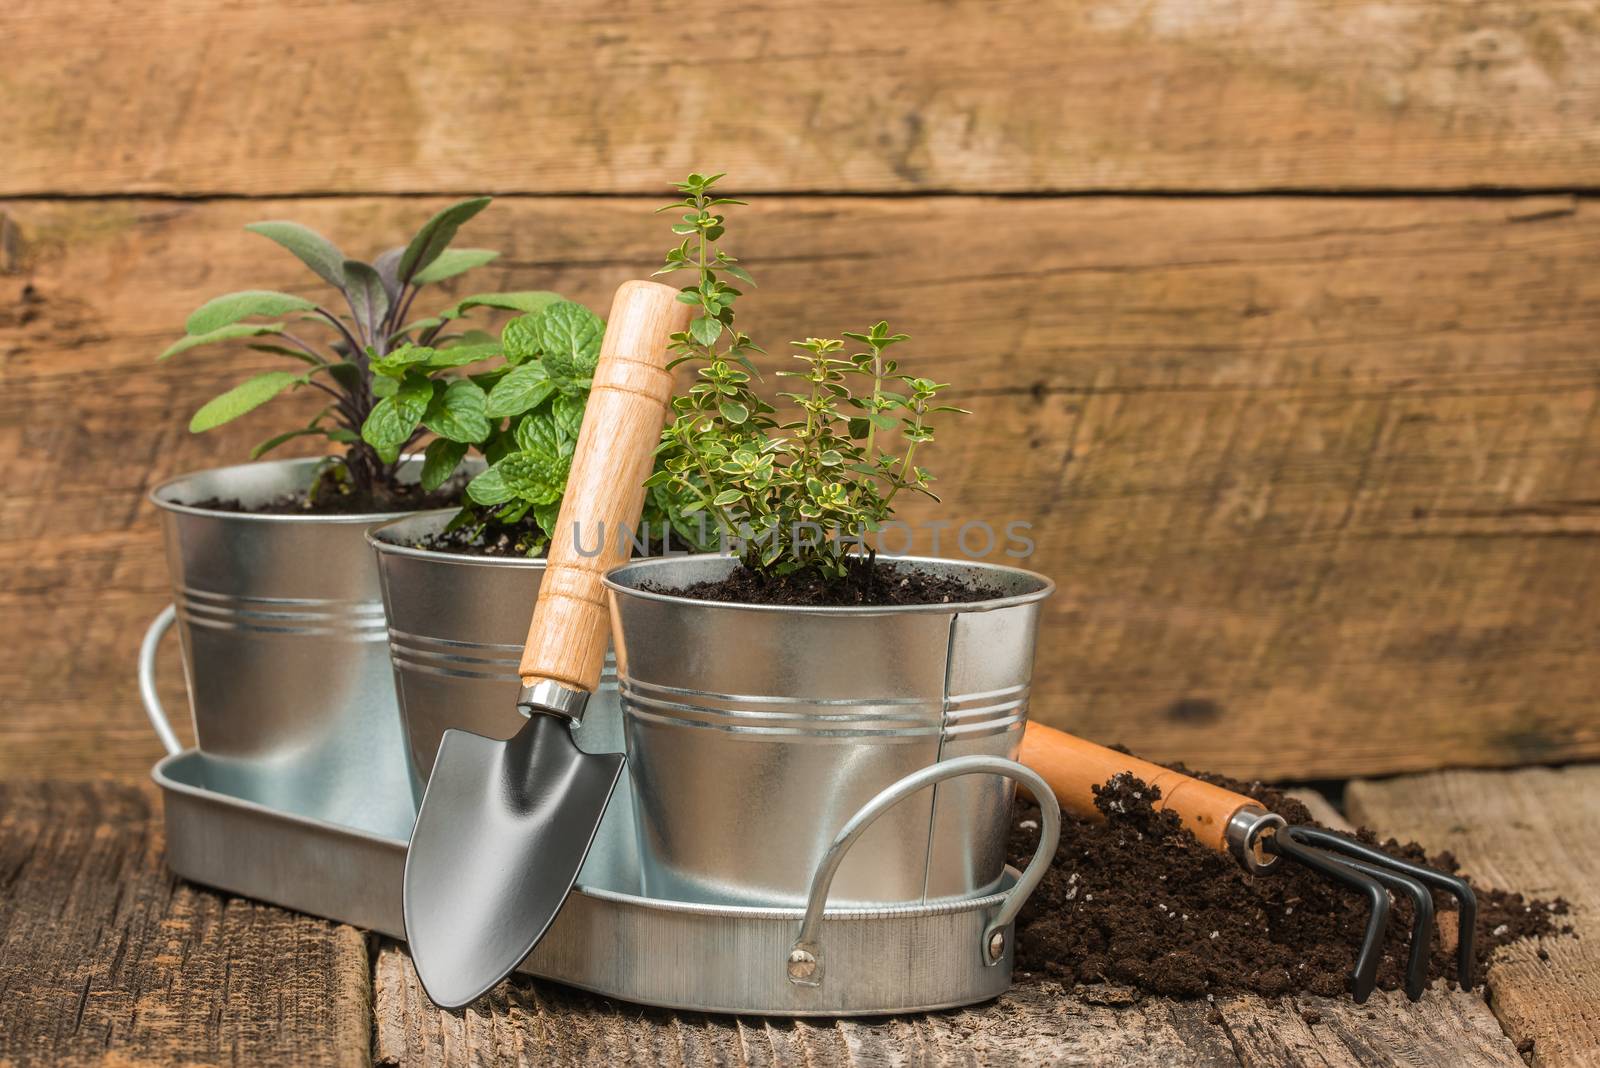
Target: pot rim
<point x="365" y="518"/>
<point x="1047" y="586"/>
<point x="383" y="546"/>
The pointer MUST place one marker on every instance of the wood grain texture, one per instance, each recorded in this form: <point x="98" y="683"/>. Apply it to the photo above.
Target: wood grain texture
<point x="1316" y="477"/>
<point x="1533" y="831"/>
<point x="106" y="959"/>
<point x="1037" y="1023"/>
<point x="629" y="403"/>
<point x="1447" y="1027"/>
<point x="212" y="96"/>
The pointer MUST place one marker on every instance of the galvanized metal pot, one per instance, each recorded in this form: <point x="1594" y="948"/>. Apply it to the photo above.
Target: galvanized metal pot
<point x="456" y="628"/>
<point x="755" y="732"/>
<point x="283" y="644"/>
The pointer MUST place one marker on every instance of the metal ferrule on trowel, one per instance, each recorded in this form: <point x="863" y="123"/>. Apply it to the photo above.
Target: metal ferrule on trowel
<point x="549" y="697"/>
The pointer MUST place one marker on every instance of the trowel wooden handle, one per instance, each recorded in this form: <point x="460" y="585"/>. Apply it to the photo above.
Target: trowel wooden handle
<point x="1073" y="767"/>
<point x="628" y="404"/>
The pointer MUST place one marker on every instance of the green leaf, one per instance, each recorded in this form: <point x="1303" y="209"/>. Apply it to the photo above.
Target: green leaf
<point x="251" y="393"/>
<point x="220" y="311"/>
<point x="273" y="442"/>
<point x="436" y="235"/>
<point x="568" y="412"/>
<point x="451" y="262"/>
<point x="313" y="250"/>
<point x="369" y="300"/>
<point x="396" y="363"/>
<point x="705" y="330"/>
<point x="348" y="375"/>
<point x="221" y="333"/>
<point x="727" y="497"/>
<point x="440" y="460"/>
<point x="569" y="335"/>
<point x="461" y="355"/>
<point x="526" y="476"/>
<point x="394" y="419"/>
<point x="547" y="515"/>
<point x="734" y="412"/>
<point x="527" y="386"/>
<point x="531" y="301"/>
<point x="293" y="354"/>
<point x="539" y="433"/>
<point x="388" y="267"/>
<point x="521" y="343"/>
<point x="456" y="413"/>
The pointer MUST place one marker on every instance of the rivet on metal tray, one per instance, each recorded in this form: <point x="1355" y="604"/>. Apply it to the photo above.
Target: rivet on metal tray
<point x="802" y="965"/>
<point x="997" y="945"/>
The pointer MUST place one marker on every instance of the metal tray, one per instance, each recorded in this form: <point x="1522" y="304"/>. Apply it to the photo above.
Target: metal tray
<point x="609" y="938"/>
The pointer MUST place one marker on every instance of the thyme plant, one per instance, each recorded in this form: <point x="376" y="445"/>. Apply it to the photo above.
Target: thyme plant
<point x="351" y="353"/>
<point x="801" y="494"/>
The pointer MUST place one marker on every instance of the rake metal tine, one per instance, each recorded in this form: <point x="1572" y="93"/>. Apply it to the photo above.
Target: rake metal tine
<point x="1421" y="925"/>
<point x="1466" y="900"/>
<point x="1364" y="975"/>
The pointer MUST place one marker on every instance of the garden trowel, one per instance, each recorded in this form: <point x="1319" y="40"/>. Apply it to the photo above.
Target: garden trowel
<point x="504" y="826"/>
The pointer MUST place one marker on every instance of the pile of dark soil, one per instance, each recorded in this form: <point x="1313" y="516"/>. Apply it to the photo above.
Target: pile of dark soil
<point x="875" y="583"/>
<point x="405" y="498"/>
<point x="1138" y="901"/>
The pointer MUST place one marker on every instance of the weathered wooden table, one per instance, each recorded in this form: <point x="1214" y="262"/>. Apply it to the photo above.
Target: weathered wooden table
<point x="107" y="959"/>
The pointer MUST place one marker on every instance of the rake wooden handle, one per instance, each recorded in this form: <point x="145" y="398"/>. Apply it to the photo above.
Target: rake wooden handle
<point x="605" y="490"/>
<point x="1073" y="767"/>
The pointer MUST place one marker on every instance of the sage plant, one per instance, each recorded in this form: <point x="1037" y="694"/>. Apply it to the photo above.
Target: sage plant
<point x="347" y="351"/>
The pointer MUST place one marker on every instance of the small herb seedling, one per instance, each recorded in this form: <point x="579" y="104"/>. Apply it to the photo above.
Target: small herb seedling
<point x="351" y="357"/>
<point x="800" y="495"/>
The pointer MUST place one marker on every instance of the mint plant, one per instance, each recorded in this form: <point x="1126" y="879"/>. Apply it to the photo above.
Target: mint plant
<point x="803" y="494"/>
<point x="354" y="353"/>
<point x="522" y="416"/>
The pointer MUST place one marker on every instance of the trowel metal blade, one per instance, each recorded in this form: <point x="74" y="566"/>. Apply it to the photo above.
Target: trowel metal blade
<point x="503" y="830"/>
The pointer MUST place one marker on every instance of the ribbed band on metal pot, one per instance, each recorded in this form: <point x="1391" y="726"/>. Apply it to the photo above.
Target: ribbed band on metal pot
<point x="284" y="649"/>
<point x="457" y="624"/>
<point x="754" y="732"/>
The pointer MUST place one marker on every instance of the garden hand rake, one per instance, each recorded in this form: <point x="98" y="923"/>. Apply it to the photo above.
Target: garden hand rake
<point x="1239" y="826"/>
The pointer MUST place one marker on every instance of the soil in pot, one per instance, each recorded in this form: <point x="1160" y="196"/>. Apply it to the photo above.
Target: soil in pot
<point x="493" y="540"/>
<point x="507" y="539"/>
<point x="869" y="583"/>
<point x="407" y="497"/>
<point x="1138" y="902"/>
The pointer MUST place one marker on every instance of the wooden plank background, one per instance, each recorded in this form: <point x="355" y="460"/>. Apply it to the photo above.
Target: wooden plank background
<point x="1312" y="466"/>
<point x="263" y="98"/>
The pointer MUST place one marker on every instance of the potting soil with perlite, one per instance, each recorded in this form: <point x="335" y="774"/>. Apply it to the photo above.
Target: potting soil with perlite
<point x="1136" y="905"/>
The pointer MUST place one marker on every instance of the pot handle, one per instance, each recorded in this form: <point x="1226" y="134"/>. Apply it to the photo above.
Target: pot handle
<point x="147" y="679"/>
<point x="805" y="955"/>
